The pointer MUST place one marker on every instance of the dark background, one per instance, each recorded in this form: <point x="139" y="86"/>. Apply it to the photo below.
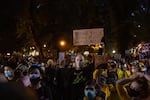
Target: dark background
<point x="33" y="22"/>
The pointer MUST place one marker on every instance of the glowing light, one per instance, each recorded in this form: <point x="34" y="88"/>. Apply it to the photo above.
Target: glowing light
<point x="62" y="43"/>
<point x="8" y="54"/>
<point x="139" y="26"/>
<point x="134" y="35"/>
<point x="114" y="51"/>
<point x="132" y="14"/>
<point x="44" y="45"/>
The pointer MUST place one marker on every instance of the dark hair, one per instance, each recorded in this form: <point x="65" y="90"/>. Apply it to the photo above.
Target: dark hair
<point x="36" y="67"/>
<point x="10" y="64"/>
<point x="90" y="82"/>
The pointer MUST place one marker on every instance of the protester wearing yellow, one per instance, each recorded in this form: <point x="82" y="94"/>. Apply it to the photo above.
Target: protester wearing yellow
<point x="123" y="74"/>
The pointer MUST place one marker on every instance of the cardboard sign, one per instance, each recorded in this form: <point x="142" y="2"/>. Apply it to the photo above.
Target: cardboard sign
<point x="101" y="59"/>
<point x="88" y="36"/>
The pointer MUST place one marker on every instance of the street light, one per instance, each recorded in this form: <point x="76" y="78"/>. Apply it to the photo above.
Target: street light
<point x="62" y="43"/>
<point x="114" y="51"/>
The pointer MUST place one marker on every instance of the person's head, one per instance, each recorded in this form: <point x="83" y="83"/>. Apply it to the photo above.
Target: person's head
<point x="21" y="71"/>
<point x="35" y="73"/>
<point x="137" y="87"/>
<point x="90" y="90"/>
<point x="79" y="61"/>
<point x="8" y="69"/>
<point x="50" y="63"/>
<point x="111" y="65"/>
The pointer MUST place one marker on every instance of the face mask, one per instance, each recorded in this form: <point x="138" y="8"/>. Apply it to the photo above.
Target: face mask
<point x="8" y="73"/>
<point x="34" y="78"/>
<point x="89" y="94"/>
<point x="132" y="92"/>
<point x="26" y="81"/>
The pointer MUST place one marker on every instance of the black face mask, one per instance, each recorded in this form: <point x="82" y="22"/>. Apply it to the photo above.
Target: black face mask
<point x="35" y="81"/>
<point x="132" y="92"/>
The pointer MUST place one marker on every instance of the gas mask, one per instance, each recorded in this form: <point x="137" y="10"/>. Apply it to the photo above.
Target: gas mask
<point x="132" y="92"/>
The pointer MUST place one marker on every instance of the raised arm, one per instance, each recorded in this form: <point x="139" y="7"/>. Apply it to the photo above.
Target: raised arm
<point x="121" y="90"/>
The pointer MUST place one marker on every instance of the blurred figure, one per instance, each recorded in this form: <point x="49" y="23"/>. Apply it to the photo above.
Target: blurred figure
<point x="50" y="73"/>
<point x="8" y="70"/>
<point x="37" y="84"/>
<point x="64" y="78"/>
<point x="123" y="71"/>
<point x="100" y="76"/>
<point x="100" y="70"/>
<point x="89" y="69"/>
<point x="92" y="92"/>
<point x="79" y="79"/>
<point x="135" y="89"/>
<point x="21" y="74"/>
<point x="13" y="91"/>
<point x="106" y="88"/>
<point x="112" y="72"/>
<point x="79" y="61"/>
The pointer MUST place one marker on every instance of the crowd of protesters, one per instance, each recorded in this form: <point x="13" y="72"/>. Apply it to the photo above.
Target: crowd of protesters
<point x="32" y="78"/>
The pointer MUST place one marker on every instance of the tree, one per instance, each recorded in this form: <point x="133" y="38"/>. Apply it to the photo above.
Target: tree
<point x="24" y="33"/>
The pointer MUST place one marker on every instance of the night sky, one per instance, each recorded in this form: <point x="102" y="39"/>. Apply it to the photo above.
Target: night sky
<point x="79" y="14"/>
<point x="9" y="11"/>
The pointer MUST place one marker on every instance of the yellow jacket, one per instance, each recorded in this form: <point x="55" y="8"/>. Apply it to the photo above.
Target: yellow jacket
<point x="107" y="90"/>
<point x="97" y="98"/>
